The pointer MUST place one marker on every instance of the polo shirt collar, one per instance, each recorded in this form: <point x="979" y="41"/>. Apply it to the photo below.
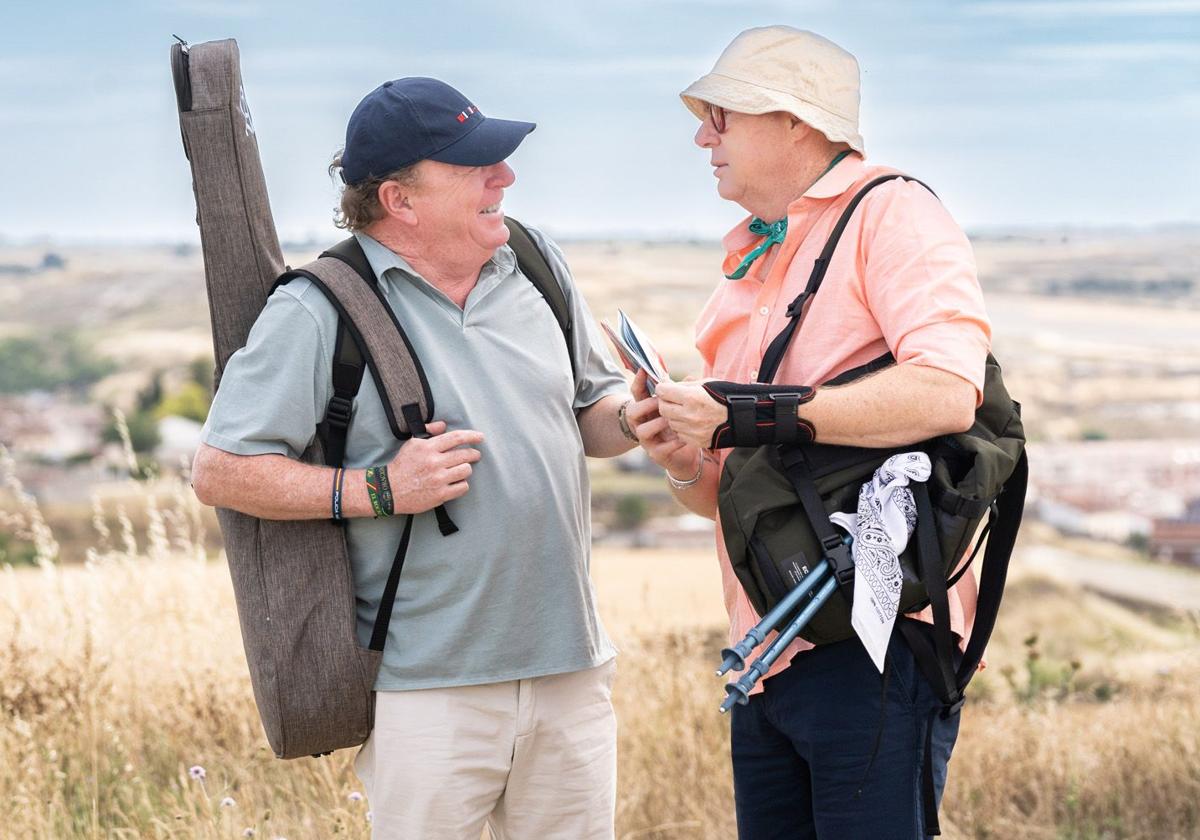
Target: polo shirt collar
<point x="383" y="259"/>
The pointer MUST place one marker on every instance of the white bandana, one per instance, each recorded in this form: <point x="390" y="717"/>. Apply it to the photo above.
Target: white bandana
<point x="885" y="520"/>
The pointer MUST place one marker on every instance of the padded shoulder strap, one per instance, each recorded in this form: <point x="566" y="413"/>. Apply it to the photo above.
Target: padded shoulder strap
<point x="352" y="254"/>
<point x="536" y="268"/>
<point x="372" y="325"/>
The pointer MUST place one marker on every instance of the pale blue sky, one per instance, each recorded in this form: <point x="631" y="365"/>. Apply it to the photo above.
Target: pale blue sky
<point x="1052" y="112"/>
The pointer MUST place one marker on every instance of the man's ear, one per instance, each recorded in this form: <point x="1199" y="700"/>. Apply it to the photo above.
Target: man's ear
<point x="394" y="200"/>
<point x="798" y="130"/>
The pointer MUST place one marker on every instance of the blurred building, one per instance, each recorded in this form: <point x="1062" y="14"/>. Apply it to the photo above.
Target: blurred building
<point x="1178" y="540"/>
<point x="1113" y="490"/>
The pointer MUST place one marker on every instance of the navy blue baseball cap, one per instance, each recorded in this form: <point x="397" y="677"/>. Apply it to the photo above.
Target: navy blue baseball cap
<point x="409" y="120"/>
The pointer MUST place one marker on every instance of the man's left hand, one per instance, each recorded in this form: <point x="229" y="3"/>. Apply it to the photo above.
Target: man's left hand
<point x="691" y="412"/>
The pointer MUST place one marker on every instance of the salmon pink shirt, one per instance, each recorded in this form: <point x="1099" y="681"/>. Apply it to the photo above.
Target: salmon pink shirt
<point x="902" y="279"/>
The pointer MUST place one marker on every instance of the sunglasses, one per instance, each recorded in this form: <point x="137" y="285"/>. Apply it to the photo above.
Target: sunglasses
<point x="717" y="114"/>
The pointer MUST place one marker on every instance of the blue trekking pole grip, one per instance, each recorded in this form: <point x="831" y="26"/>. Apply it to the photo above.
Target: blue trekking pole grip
<point x="735" y="657"/>
<point x="738" y="693"/>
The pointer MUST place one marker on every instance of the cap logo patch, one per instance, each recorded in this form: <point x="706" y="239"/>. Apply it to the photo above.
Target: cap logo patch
<point x="462" y="116"/>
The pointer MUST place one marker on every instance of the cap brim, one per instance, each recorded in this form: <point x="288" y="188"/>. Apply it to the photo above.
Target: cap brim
<point x="493" y="141"/>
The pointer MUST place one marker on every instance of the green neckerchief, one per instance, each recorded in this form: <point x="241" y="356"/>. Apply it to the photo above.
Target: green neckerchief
<point x="774" y="232"/>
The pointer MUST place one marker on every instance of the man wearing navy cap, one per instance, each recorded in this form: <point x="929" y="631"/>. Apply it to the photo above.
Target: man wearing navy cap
<point x="493" y="701"/>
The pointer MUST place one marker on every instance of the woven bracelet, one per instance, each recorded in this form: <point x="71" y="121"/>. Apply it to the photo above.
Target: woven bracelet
<point x="385" y="490"/>
<point x="373" y="491"/>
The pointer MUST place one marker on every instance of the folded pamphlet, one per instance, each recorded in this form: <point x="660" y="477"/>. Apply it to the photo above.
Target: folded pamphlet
<point x="635" y="350"/>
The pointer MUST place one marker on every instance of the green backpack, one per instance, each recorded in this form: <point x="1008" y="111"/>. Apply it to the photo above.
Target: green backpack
<point x="775" y="500"/>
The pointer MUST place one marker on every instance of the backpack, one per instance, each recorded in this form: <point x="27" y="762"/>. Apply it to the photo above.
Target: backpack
<point x="313" y="682"/>
<point x="774" y="503"/>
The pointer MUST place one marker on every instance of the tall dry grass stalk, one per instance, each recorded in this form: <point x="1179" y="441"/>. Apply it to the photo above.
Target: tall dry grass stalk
<point x="26" y="522"/>
<point x="126" y="711"/>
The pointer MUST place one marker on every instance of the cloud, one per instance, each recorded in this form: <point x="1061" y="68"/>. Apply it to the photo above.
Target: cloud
<point x="1040" y="10"/>
<point x="1129" y="51"/>
<point x="219" y="9"/>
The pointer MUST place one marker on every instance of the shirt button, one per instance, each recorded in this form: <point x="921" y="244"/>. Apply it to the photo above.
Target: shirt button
<point x="763" y="310"/>
<point x="754" y="374"/>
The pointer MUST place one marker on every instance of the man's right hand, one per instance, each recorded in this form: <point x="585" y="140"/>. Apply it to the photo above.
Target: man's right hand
<point x="665" y="448"/>
<point x="428" y="472"/>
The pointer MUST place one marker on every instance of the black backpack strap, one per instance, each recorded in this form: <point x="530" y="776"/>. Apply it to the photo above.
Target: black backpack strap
<point x="836" y="550"/>
<point x="348" y="367"/>
<point x="1002" y="539"/>
<point x="935" y="659"/>
<point x="348" y="364"/>
<point x="533" y="264"/>
<point x="795" y="310"/>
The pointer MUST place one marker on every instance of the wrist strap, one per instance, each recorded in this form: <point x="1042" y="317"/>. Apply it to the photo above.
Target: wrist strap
<point x="760" y="414"/>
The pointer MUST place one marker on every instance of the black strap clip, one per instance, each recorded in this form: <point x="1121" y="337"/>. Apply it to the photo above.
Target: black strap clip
<point x="950" y="710"/>
<point x="743" y="417"/>
<point x="338" y="412"/>
<point x="837" y="553"/>
<point x="797" y="306"/>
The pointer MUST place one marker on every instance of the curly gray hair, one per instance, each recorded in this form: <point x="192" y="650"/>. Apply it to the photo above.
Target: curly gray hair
<point x="359" y="206"/>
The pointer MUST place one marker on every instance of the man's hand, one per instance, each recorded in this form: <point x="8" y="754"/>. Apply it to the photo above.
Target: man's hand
<point x="692" y="414"/>
<point x="664" y="447"/>
<point x="428" y="472"/>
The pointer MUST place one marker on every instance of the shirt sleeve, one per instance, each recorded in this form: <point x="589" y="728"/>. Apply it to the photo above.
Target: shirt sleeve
<point x="273" y="391"/>
<point x="596" y="374"/>
<point x="921" y="285"/>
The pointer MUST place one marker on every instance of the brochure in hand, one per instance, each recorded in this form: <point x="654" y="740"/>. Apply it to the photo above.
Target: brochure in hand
<point x="635" y="350"/>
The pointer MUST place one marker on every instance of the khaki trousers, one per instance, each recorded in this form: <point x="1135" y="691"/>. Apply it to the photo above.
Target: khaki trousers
<point x="529" y="759"/>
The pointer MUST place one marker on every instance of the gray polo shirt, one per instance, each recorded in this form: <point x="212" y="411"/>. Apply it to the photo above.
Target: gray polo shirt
<point x="508" y="596"/>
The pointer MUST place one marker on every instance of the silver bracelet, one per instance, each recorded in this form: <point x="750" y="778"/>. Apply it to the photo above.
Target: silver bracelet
<point x="682" y="485"/>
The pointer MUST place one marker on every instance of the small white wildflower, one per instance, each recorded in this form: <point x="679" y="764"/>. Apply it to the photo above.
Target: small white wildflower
<point x="197" y="773"/>
<point x="249" y="832"/>
<point x="368" y="816"/>
<point x="227" y="802"/>
<point x="355" y="797"/>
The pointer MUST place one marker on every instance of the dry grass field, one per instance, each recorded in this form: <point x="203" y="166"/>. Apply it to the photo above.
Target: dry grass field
<point x="121" y="675"/>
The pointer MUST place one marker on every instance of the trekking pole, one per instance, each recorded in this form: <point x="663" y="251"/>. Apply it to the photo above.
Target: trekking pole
<point x="738" y="693"/>
<point x="735" y="657"/>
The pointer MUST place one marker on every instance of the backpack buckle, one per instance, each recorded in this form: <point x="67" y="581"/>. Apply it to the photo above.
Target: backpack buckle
<point x="954" y="708"/>
<point x="337" y="413"/>
<point x="797" y="306"/>
<point x="840" y="560"/>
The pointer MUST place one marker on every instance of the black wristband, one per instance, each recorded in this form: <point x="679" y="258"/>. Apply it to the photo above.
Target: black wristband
<point x="761" y="414"/>
<point x="336" y="502"/>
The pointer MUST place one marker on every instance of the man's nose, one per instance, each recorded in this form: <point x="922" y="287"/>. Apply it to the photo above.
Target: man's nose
<point x="706" y="135"/>
<point x="501" y="176"/>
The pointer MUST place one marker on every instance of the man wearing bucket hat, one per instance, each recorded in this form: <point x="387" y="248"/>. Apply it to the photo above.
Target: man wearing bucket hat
<point x="492" y="705"/>
<point x="824" y="748"/>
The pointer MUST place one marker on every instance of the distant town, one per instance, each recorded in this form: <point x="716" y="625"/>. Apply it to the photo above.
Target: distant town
<point x="107" y="350"/>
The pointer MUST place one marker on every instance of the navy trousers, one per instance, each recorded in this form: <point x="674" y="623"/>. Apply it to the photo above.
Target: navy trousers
<point x="805" y="763"/>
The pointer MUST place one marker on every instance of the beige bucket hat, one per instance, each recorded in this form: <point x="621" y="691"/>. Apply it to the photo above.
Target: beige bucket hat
<point x="780" y="68"/>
